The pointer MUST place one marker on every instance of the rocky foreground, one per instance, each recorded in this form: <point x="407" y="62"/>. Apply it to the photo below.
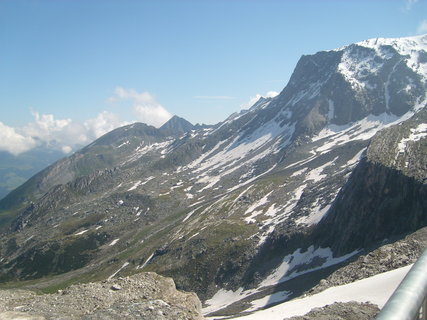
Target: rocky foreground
<point x="141" y="296"/>
<point x="342" y="311"/>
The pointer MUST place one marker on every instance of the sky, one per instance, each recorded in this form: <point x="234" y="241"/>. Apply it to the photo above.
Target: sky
<point x="72" y="70"/>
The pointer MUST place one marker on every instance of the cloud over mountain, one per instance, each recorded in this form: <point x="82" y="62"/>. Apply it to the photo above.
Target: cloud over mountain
<point x="60" y="134"/>
<point x="254" y="99"/>
<point x="68" y="134"/>
<point x="145" y="106"/>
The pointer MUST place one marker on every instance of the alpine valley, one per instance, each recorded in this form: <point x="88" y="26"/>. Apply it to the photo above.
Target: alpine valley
<point x="327" y="177"/>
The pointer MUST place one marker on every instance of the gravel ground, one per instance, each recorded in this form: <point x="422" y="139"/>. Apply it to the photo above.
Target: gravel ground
<point x="142" y="296"/>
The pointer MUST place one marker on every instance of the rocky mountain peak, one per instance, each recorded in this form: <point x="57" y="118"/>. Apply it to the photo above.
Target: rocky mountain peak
<point x="176" y="126"/>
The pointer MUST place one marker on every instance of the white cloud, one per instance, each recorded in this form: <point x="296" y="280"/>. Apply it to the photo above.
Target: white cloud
<point x="422" y="27"/>
<point x="271" y="94"/>
<point x="14" y="142"/>
<point x="66" y="135"/>
<point x="60" y="134"/>
<point x="253" y="100"/>
<point x="45" y="127"/>
<point x="145" y="106"/>
<point x="66" y="149"/>
<point x="103" y="123"/>
<point x="153" y="115"/>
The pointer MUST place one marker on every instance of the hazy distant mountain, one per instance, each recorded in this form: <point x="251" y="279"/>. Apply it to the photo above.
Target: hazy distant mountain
<point x="15" y="170"/>
<point x="332" y="165"/>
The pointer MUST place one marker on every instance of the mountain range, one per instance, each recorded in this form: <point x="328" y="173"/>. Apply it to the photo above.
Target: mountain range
<point x="297" y="185"/>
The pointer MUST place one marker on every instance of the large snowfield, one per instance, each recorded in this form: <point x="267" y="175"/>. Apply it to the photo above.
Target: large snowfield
<point x="376" y="289"/>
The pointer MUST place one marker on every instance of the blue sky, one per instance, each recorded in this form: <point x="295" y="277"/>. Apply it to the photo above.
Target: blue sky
<point x="71" y="70"/>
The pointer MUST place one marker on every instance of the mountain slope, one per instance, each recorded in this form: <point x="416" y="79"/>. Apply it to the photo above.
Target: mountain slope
<point x="245" y="205"/>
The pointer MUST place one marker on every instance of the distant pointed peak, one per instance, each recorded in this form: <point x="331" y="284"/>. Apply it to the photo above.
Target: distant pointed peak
<point x="176" y="125"/>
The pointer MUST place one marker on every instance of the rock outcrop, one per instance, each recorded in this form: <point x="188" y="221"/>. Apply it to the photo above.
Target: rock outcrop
<point x="342" y="311"/>
<point x="141" y="296"/>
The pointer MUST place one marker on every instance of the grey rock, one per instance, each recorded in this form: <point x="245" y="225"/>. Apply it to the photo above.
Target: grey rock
<point x="145" y="295"/>
<point x="342" y="311"/>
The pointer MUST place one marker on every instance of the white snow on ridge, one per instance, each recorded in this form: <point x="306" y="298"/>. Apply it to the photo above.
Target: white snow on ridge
<point x="376" y="289"/>
<point x="416" y="134"/>
<point x="354" y="65"/>
<point x="409" y="47"/>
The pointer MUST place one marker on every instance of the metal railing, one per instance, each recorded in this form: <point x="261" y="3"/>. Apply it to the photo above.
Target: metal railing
<point x="408" y="302"/>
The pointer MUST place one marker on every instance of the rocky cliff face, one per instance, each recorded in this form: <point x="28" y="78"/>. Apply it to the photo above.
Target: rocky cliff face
<point x="386" y="195"/>
<point x="291" y="186"/>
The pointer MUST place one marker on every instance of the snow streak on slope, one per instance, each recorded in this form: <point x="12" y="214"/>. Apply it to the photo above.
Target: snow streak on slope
<point x="244" y="150"/>
<point x="144" y="149"/>
<point x="376" y="289"/>
<point x="364" y="129"/>
<point x="288" y="268"/>
<point x="291" y="267"/>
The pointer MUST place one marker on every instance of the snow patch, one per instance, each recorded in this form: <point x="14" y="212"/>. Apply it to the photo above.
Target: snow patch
<point x="364" y="129"/>
<point x="259" y="203"/>
<point x="224" y="298"/>
<point x="416" y="134"/>
<point x="316" y="215"/>
<point x="121" y="268"/>
<point x="146" y="261"/>
<point x="376" y="289"/>
<point x="286" y="270"/>
<point x="112" y="243"/>
<point x="81" y="232"/>
<point x="123" y="144"/>
<point x="299" y="172"/>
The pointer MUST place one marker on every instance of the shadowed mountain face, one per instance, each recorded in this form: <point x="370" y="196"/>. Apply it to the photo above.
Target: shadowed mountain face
<point x="304" y="179"/>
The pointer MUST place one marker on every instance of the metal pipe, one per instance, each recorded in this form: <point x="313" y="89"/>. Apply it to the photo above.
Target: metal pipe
<point x="406" y="301"/>
<point x="424" y="310"/>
